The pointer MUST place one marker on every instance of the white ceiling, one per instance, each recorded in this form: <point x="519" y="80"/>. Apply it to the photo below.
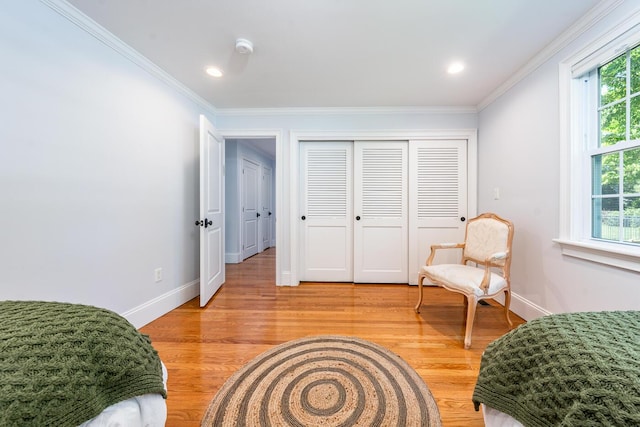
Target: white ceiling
<point x="339" y="53"/>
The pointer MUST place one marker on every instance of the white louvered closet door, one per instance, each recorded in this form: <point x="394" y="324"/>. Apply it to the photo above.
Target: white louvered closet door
<point x="380" y="212"/>
<point x="438" y="200"/>
<point x="326" y="219"/>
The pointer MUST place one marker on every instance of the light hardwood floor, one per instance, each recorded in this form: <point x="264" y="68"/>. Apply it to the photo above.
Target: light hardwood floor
<point x="202" y="347"/>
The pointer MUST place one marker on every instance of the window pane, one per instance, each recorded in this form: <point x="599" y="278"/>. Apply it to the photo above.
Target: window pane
<point x="635" y="118"/>
<point x="606" y="218"/>
<point x="635" y="70"/>
<point x="613" y="80"/>
<point x="605" y="172"/>
<point x="612" y="124"/>
<point x="631" y="177"/>
<point x="631" y="220"/>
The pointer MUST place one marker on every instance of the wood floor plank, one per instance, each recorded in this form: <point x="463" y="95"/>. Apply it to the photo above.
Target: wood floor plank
<point x="202" y="347"/>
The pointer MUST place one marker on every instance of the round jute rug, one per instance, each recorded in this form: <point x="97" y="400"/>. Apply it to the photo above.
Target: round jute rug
<point x="324" y="381"/>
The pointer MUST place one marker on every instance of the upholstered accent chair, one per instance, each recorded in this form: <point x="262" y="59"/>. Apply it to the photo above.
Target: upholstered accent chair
<point x="483" y="271"/>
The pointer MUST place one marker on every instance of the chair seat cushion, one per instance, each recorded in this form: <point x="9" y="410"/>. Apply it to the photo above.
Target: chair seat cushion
<point x="463" y="278"/>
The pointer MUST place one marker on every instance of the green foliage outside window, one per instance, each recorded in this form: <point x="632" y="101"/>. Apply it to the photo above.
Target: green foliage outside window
<point x="616" y="174"/>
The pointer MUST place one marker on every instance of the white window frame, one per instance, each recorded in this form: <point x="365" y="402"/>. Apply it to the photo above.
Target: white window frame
<point x="575" y="154"/>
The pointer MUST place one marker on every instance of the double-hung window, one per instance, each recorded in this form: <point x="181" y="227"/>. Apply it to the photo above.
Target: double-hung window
<point x="614" y="151"/>
<point x="600" y="124"/>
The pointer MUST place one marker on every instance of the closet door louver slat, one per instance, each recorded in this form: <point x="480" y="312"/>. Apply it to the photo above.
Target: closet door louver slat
<point x="438" y="182"/>
<point x="326" y="183"/>
<point x="382" y="182"/>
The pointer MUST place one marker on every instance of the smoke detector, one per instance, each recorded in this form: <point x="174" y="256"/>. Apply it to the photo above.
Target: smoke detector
<point x="244" y="46"/>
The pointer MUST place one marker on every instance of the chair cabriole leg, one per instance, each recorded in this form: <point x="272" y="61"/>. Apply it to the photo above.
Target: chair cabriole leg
<point x="507" y="303"/>
<point x="472" y="302"/>
<point x="420" y="278"/>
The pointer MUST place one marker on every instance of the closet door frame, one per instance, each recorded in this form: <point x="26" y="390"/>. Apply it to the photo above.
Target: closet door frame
<point x="295" y="138"/>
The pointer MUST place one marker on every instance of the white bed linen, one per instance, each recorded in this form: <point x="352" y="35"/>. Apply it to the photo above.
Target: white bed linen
<point x="495" y="418"/>
<point x="148" y="410"/>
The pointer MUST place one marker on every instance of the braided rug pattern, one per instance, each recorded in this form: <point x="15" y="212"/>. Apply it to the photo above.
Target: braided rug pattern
<point x="62" y="364"/>
<point x="575" y="369"/>
<point x="324" y="381"/>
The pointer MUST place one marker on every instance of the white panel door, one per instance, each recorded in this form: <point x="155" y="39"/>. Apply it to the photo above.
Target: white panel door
<point x="326" y="232"/>
<point x="380" y="209"/>
<point x="250" y="193"/>
<point x="266" y="214"/>
<point x="211" y="221"/>
<point x="438" y="200"/>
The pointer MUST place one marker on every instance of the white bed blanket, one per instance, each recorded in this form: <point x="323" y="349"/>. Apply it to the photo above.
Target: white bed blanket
<point x="495" y="418"/>
<point x="148" y="410"/>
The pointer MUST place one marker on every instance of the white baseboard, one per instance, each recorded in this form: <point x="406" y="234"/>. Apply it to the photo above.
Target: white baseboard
<point x="523" y="307"/>
<point x="526" y="309"/>
<point x="233" y="258"/>
<point x="161" y="305"/>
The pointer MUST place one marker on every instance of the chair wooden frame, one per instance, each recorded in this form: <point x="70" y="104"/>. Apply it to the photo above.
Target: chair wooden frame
<point x="493" y="261"/>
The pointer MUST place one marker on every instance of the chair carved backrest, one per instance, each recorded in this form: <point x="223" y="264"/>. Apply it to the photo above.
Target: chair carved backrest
<point x="487" y="235"/>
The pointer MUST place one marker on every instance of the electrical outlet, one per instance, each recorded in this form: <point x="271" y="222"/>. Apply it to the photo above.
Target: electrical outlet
<point x="158" y="274"/>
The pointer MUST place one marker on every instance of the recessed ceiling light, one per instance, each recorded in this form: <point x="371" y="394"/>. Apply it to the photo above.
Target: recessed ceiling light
<point x="455" y="67"/>
<point x="214" y="71"/>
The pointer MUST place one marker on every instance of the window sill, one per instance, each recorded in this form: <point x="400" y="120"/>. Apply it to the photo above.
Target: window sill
<point x="615" y="255"/>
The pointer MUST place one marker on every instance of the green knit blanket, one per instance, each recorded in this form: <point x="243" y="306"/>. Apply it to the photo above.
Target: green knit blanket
<point x="62" y="364"/>
<point x="576" y="369"/>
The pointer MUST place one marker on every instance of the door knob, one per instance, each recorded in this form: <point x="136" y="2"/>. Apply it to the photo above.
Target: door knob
<point x="200" y="223"/>
<point x="463" y="219"/>
<point x="303" y="217"/>
<point x="358" y="218"/>
<point x="257" y="214"/>
<point x="269" y="213"/>
<point x="207" y="222"/>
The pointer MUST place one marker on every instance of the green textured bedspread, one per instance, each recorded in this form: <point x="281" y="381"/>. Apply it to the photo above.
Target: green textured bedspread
<point x="62" y="364"/>
<point x="576" y="369"/>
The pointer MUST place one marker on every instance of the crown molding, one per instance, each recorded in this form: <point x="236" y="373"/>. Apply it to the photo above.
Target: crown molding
<point x="107" y="38"/>
<point x="595" y="15"/>
<point x="382" y="134"/>
<point x="342" y="111"/>
<point x="91" y="27"/>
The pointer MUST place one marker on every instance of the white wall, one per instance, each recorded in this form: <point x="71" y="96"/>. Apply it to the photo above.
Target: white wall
<point x="98" y="171"/>
<point x="99" y="164"/>
<point x="518" y="146"/>
<point x="337" y="121"/>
